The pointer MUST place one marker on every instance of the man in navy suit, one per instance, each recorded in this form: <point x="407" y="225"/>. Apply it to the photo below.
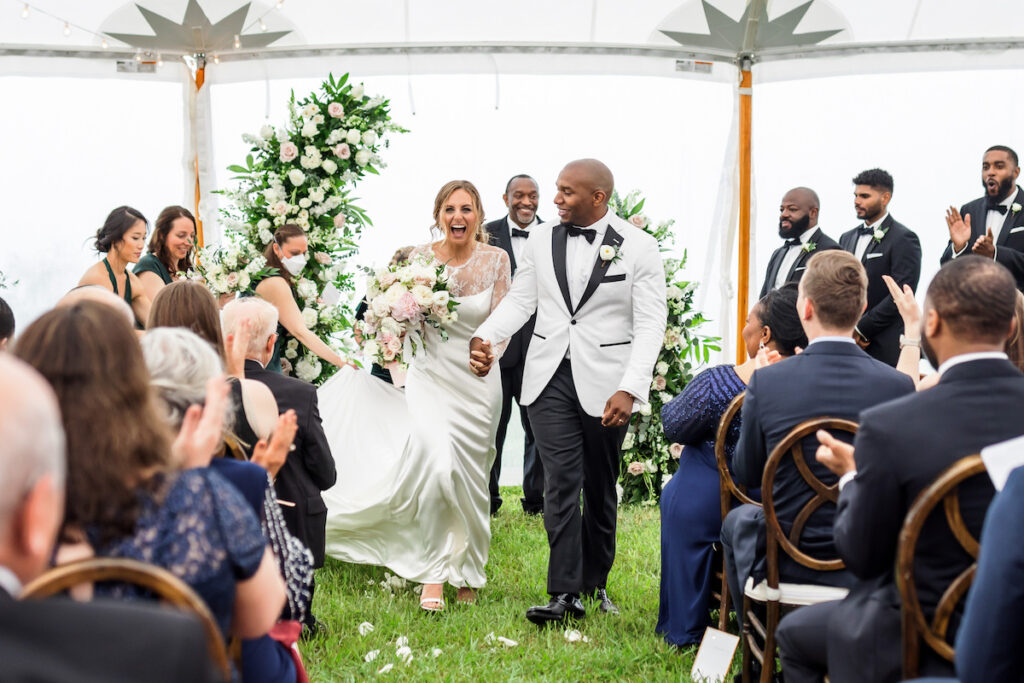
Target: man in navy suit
<point x="900" y="449"/>
<point x="510" y="233"/>
<point x="833" y="377"/>
<point x="798" y="225"/>
<point x="885" y="247"/>
<point x="992" y="226"/>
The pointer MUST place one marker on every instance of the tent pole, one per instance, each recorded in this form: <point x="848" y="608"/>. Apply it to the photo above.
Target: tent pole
<point x="746" y="96"/>
<point x="200" y="79"/>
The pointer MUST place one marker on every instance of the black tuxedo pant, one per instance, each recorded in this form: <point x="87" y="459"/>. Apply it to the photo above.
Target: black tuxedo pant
<point x="533" y="470"/>
<point x="579" y="456"/>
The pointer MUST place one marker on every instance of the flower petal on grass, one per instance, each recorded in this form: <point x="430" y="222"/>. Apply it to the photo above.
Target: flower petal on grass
<point x="507" y="642"/>
<point x="573" y="636"/>
<point x="386" y="668"/>
<point x="404" y="653"/>
<point x="401" y="642"/>
<point x="437" y="652"/>
<point x="371" y="655"/>
<point x="365" y="627"/>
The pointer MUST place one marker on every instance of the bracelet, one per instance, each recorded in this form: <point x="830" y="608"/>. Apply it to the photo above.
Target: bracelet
<point x="906" y="341"/>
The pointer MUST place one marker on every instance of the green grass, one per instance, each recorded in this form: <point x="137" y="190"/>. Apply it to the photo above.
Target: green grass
<point x="623" y="648"/>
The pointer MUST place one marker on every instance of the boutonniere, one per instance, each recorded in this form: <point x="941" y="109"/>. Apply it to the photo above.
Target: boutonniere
<point x="878" y="234"/>
<point x="1015" y="207"/>
<point x="809" y="247"/>
<point x="609" y="253"/>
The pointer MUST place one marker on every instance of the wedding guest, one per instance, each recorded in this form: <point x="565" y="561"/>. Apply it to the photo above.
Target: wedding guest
<point x="6" y="325"/>
<point x="833" y="377"/>
<point x="901" y="447"/>
<point x="798" y="225"/>
<point x="310" y="468"/>
<point x="885" y="247"/>
<point x="691" y="513"/>
<point x="170" y="250"/>
<point x="121" y="238"/>
<point x="993" y="225"/>
<point x="287" y="253"/>
<point x="510" y="233"/>
<point x="129" y="494"/>
<point x="64" y="640"/>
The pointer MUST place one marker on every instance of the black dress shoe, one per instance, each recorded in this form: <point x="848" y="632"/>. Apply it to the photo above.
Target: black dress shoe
<point x="563" y="607"/>
<point x="604" y="603"/>
<point x="312" y="628"/>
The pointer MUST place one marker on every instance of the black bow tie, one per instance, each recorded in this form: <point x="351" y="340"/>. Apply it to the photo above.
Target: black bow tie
<point x="792" y="243"/>
<point x="588" y="233"/>
<point x="1001" y="208"/>
<point x="865" y="230"/>
<point x="516" y="232"/>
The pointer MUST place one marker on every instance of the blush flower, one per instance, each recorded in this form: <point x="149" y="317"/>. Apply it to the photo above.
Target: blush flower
<point x="289" y="150"/>
<point x="335" y="110"/>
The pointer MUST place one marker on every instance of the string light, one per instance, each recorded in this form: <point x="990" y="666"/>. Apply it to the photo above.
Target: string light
<point x="24" y="11"/>
<point x="138" y="56"/>
<point x="263" y="25"/>
<point x="280" y="4"/>
<point x="67" y="29"/>
<point x="238" y="42"/>
<point x="159" y="59"/>
<point x="103" y="43"/>
<point x="216" y="59"/>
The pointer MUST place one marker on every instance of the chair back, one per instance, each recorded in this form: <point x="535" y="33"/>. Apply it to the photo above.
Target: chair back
<point x="944" y="490"/>
<point x="729" y="490"/>
<point x="166" y="586"/>
<point x="792" y="445"/>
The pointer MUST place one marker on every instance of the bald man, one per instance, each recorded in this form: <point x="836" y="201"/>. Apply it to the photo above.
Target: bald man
<point x="798" y="225"/>
<point x="597" y="285"/>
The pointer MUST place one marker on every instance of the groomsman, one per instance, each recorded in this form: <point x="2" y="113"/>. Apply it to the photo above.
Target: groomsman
<point x="510" y="233"/>
<point x="992" y="226"/>
<point x="885" y="247"/>
<point x="798" y="225"/>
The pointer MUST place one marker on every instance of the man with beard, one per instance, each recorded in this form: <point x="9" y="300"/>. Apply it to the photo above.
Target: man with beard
<point x="993" y="225"/>
<point x="510" y="233"/>
<point x="798" y="225"/>
<point x="900" y="448"/>
<point x="885" y="247"/>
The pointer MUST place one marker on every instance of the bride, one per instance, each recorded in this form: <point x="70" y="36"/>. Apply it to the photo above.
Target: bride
<point x="412" y="495"/>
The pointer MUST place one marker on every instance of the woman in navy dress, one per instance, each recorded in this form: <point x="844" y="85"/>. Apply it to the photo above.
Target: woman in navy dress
<point x="691" y="514"/>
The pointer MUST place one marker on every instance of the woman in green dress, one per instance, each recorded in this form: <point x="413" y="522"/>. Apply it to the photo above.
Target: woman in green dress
<point x="122" y="238"/>
<point x="170" y="250"/>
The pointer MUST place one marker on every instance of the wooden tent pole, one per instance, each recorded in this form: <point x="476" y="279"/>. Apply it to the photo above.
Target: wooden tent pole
<point x="746" y="96"/>
<point x="200" y="79"/>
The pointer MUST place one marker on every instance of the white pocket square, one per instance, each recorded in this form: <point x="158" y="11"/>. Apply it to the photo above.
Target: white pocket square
<point x="800" y="268"/>
<point x="873" y="256"/>
<point x="1017" y="229"/>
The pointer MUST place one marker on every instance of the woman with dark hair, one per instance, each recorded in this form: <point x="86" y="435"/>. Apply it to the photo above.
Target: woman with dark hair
<point x="130" y="491"/>
<point x="122" y="239"/>
<point x="287" y="253"/>
<point x="691" y="514"/>
<point x="6" y="325"/>
<point x="170" y="250"/>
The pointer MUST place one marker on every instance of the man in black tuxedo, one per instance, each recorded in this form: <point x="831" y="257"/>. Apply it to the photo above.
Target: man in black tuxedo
<point x="510" y="233"/>
<point x="60" y="640"/>
<point x="901" y="447"/>
<point x="831" y="378"/>
<point x="993" y="225"/>
<point x="309" y="468"/>
<point x="885" y="247"/>
<point x="798" y="225"/>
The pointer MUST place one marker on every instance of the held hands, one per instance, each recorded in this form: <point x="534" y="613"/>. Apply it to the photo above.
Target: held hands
<point x="835" y="454"/>
<point x="905" y="303"/>
<point x="272" y="456"/>
<point x="985" y="245"/>
<point x="617" y="410"/>
<point x="959" y="228"/>
<point x="202" y="428"/>
<point x="480" y="356"/>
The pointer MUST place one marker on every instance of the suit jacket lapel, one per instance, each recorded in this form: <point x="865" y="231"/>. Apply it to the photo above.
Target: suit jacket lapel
<point x="849" y="241"/>
<point x="611" y="238"/>
<point x="876" y="245"/>
<point x="774" y="263"/>
<point x="802" y="256"/>
<point x="1010" y="222"/>
<point x="558" y="239"/>
<point x="506" y="243"/>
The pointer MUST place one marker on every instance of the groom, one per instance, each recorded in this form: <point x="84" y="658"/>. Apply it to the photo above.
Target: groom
<point x="597" y="285"/>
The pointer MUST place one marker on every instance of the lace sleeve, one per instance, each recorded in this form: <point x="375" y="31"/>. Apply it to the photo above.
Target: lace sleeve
<point x="293" y="558"/>
<point x="502" y="283"/>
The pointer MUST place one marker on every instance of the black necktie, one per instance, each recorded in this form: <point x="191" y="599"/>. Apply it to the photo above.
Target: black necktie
<point x="588" y="233"/>
<point x="864" y="230"/>
<point x="516" y="232"/>
<point x="1001" y="208"/>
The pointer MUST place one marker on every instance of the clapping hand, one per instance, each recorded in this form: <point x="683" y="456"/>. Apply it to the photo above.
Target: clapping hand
<point x="959" y="228"/>
<point x="766" y="357"/>
<point x="835" y="454"/>
<point x="236" y="345"/>
<point x="905" y="303"/>
<point x="202" y="428"/>
<point x="480" y="356"/>
<point x="985" y="245"/>
<point x="272" y="456"/>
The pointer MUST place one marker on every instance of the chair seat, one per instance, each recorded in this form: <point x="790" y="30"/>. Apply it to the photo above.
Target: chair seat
<point x="793" y="593"/>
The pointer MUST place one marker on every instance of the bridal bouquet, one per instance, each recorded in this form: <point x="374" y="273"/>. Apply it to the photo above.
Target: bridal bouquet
<point x="401" y="301"/>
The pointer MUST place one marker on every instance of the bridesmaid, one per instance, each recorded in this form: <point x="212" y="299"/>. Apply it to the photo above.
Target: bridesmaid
<point x="691" y="515"/>
<point x="122" y="239"/>
<point x="170" y="250"/>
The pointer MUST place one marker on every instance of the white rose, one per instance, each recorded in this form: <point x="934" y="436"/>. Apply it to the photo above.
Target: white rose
<point x="316" y="195"/>
<point x="306" y="289"/>
<point x="296" y="177"/>
<point x="353" y="137"/>
<point x="441" y="297"/>
<point x="358" y="91"/>
<point x="627" y="443"/>
<point x="362" y="157"/>
<point x="665" y="396"/>
<point x="265" y="235"/>
<point x="369" y="138"/>
<point x="661" y="368"/>
<point x="310" y="110"/>
<point x="305" y="202"/>
<point x="665" y="479"/>
<point x="650" y="466"/>
<point x="266" y="131"/>
<point x="290" y="354"/>
<point x="309" y="162"/>
<point x="424" y="297"/>
<point x="645" y="409"/>
<point x="309" y="129"/>
<point x="371" y="349"/>
<point x="674" y="293"/>
<point x="282" y="135"/>
<point x="380" y="306"/>
<point x="309" y="317"/>
<point x="263" y="224"/>
<point x="307" y="370"/>
<point x="607" y="252"/>
<point x="243" y="280"/>
<point x="329" y="166"/>
<point x="395" y="293"/>
<point x="292" y="344"/>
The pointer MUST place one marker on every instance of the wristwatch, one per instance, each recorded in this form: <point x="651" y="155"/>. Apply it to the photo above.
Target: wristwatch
<point x="909" y="341"/>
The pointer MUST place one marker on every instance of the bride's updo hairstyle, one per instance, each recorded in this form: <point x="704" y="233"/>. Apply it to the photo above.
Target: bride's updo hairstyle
<point x="282" y="235"/>
<point x="446" y="191"/>
<point x="118" y="222"/>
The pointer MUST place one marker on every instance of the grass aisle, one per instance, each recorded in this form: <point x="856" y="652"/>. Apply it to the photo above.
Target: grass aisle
<point x="623" y="648"/>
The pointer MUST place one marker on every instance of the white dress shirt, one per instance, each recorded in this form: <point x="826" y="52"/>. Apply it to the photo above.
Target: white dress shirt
<point x="994" y="220"/>
<point x="791" y="256"/>
<point x="864" y="240"/>
<point x="830" y="338"/>
<point x="518" y="243"/>
<point x="9" y="582"/>
<point x="580" y="257"/>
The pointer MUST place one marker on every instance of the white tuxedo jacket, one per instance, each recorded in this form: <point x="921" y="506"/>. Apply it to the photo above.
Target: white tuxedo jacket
<point x="615" y="332"/>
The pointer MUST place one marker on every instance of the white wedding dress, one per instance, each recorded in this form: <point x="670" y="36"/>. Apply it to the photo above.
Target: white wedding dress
<point x="413" y="465"/>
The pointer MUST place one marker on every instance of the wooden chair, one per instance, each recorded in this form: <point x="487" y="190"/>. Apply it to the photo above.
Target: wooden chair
<point x="771" y="592"/>
<point x="916" y="628"/>
<point x="730" y="491"/>
<point x="169" y="588"/>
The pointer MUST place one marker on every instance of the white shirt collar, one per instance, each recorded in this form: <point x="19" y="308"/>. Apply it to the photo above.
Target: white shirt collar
<point x="9" y="582"/>
<point x="1009" y="199"/>
<point x="512" y="224"/>
<point x="877" y="223"/>
<point x="831" y="338"/>
<point x="599" y="226"/>
<point x="805" y="236"/>
<point x="256" y="360"/>
<point x="968" y="357"/>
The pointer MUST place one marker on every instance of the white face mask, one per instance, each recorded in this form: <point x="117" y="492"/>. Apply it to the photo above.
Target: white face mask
<point x="294" y="264"/>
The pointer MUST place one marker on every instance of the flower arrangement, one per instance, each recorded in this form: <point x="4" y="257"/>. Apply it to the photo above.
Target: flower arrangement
<point x="401" y="300"/>
<point x="302" y="172"/>
<point x="649" y="460"/>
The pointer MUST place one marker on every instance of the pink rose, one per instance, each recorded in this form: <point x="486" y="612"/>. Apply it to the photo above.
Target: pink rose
<point x="231" y="280"/>
<point x="286" y="366"/>
<point x="659" y="383"/>
<point x="675" y="450"/>
<point x="289" y="151"/>
<point x="336" y="110"/>
<point x="280" y="208"/>
<point x="636" y="468"/>
<point x="339" y="221"/>
<point x="406" y="308"/>
<point x="394" y="345"/>
<point x="342" y="151"/>
<point x="387" y="279"/>
<point x="388" y="353"/>
<point x="639" y="220"/>
<point x="323" y="259"/>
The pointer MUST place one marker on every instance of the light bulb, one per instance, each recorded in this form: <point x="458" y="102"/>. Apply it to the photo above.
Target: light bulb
<point x="280" y="4"/>
<point x="263" y="25"/>
<point x="159" y="59"/>
<point x="103" y="43"/>
<point x="216" y="59"/>
<point x="67" y="29"/>
<point x="24" y="11"/>
<point x="138" y="56"/>
<point x="238" y="42"/>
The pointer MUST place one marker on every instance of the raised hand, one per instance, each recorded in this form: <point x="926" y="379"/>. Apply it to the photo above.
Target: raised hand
<point x="272" y="456"/>
<point x="835" y="454"/>
<point x="481" y="358"/>
<point x="959" y="228"/>
<point x="202" y="429"/>
<point x="986" y="245"/>
<point x="235" y="347"/>
<point x="617" y="410"/>
<point x="906" y="304"/>
<point x="766" y="357"/>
